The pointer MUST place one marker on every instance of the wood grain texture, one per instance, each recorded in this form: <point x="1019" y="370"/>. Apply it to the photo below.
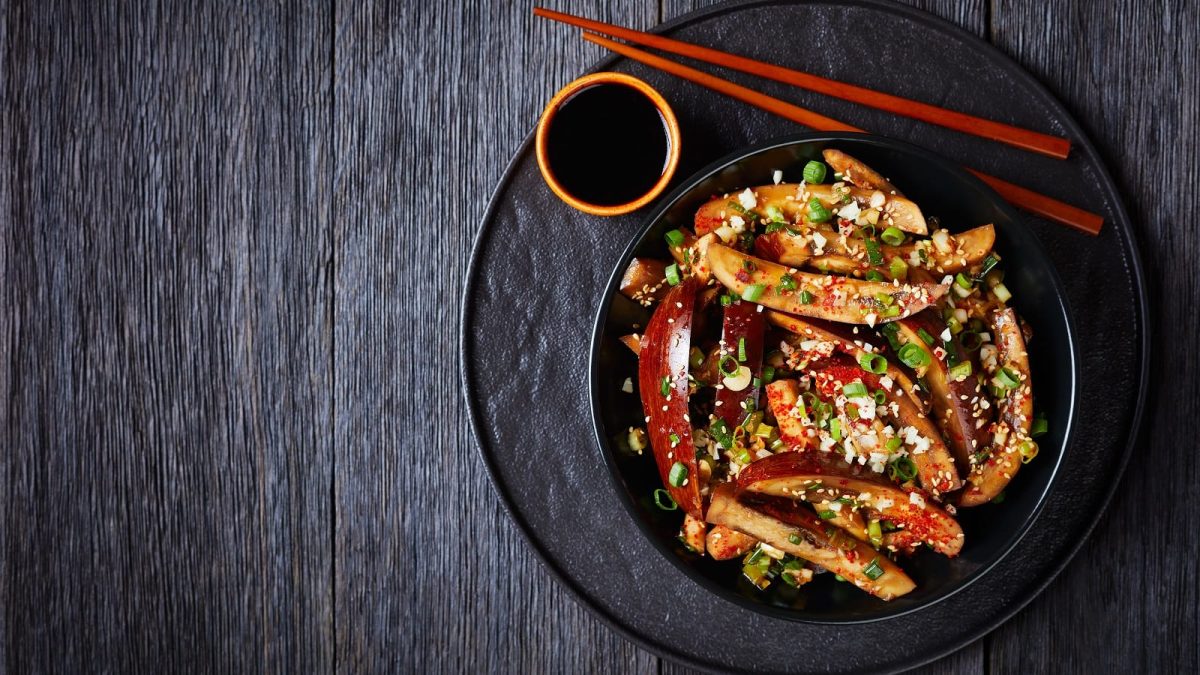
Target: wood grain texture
<point x="431" y="101"/>
<point x="230" y="237"/>
<point x="166" y="338"/>
<point x="1130" y="600"/>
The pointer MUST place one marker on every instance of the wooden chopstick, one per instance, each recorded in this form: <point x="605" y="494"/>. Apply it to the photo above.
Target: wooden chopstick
<point x="1023" y="198"/>
<point x="1052" y="146"/>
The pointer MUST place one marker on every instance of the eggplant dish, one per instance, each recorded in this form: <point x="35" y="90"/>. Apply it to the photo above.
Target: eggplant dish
<point x="827" y="377"/>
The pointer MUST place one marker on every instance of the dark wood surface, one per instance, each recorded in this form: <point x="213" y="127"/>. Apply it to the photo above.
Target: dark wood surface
<point x="231" y="437"/>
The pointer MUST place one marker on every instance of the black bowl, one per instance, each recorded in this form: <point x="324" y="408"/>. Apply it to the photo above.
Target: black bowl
<point x="961" y="202"/>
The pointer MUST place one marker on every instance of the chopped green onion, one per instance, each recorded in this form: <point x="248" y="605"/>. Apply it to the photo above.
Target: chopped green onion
<point x="1040" y="426"/>
<point x="999" y="499"/>
<point x="873" y="363"/>
<point x="884" y="299"/>
<point x="730" y="371"/>
<point x="855" y="390"/>
<point x="954" y="325"/>
<point x="988" y="263"/>
<point x="892" y="236"/>
<point x="787" y="283"/>
<point x="662" y="499"/>
<point x="835" y="429"/>
<point x="756" y="382"/>
<point x="674" y="238"/>
<point x="817" y="212"/>
<point x="753" y="292"/>
<point x="774" y="226"/>
<point x="898" y="269"/>
<point x="873" y="571"/>
<point x="665" y="386"/>
<point x="1002" y="292"/>
<point x="754" y="555"/>
<point x="726" y="300"/>
<point x="951" y="353"/>
<point x="875" y="533"/>
<point x="903" y="469"/>
<point x="970" y="340"/>
<point x="880" y="397"/>
<point x="852" y="410"/>
<point x="913" y="356"/>
<point x="889" y="312"/>
<point x="678" y="475"/>
<point x="1028" y="450"/>
<point x="893" y="444"/>
<point x="874" y="256"/>
<point x="673" y="274"/>
<point x="1006" y="379"/>
<point x="892" y="332"/>
<point x="963" y="282"/>
<point x="674" y="438"/>
<point x="960" y="371"/>
<point x="925" y="336"/>
<point x="742" y="349"/>
<point x="874" y="275"/>
<point x="768" y="374"/>
<point x="720" y="431"/>
<point x="806" y="298"/>
<point x="814" y="172"/>
<point x="827" y="515"/>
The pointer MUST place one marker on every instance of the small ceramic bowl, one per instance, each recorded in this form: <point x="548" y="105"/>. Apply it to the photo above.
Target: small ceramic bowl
<point x="669" y="121"/>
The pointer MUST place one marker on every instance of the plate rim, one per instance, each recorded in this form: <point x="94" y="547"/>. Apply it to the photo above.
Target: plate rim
<point x="1122" y="223"/>
<point x="666" y="203"/>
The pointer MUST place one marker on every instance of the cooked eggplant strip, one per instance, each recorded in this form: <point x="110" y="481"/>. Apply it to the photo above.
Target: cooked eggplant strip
<point x="663" y="383"/>
<point x="815" y="329"/>
<point x="645" y="281"/>
<point x="959" y="403"/>
<point x="693" y="533"/>
<point x="824" y="297"/>
<point x="928" y="452"/>
<point x="849" y="254"/>
<point x="794" y="427"/>
<point x="791" y="529"/>
<point x="726" y="544"/>
<point x="814" y="476"/>
<point x="792" y="201"/>
<point x="856" y="172"/>
<point x="991" y="475"/>
<point x="691" y="254"/>
<point x="740" y="366"/>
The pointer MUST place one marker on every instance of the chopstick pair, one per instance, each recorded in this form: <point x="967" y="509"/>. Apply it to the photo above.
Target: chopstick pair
<point x="1021" y="197"/>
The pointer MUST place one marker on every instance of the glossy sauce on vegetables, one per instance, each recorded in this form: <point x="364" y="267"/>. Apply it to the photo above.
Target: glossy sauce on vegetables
<point x="608" y="145"/>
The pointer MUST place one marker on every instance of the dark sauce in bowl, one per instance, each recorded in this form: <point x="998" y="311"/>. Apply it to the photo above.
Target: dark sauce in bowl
<point x="608" y="144"/>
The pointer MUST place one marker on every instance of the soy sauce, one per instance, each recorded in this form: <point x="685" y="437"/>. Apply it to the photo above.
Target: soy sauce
<point x="607" y="145"/>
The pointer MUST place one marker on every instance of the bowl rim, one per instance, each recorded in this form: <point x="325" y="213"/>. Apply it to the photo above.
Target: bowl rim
<point x="542" y="132"/>
<point x="603" y="445"/>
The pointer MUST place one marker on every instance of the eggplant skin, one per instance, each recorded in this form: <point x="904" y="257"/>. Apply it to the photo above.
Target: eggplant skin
<point x="857" y="173"/>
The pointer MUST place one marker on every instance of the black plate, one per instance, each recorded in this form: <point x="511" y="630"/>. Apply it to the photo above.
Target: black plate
<point x="961" y="201"/>
<point x="539" y="272"/>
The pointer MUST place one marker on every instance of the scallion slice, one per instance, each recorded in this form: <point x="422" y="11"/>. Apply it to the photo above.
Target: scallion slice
<point x="827" y="515"/>
<point x="817" y="212"/>
<point x="814" y="172"/>
<point x="794" y="538"/>
<point x="665" y="386"/>
<point x="726" y="300"/>
<point x="874" y="255"/>
<point x="662" y="499"/>
<point x="960" y="371"/>
<point x="1006" y="378"/>
<point x="855" y="390"/>
<point x="672" y="273"/>
<point x="1039" y="427"/>
<point x="720" y="431"/>
<point x="835" y="429"/>
<point x="898" y="269"/>
<point x="674" y="237"/>
<point x="873" y="363"/>
<point x="753" y="292"/>
<point x="875" y="533"/>
<point x="1028" y="450"/>
<point x="892" y="236"/>
<point x="874" y="275"/>
<point x="902" y="469"/>
<point x="728" y="365"/>
<point x="806" y="298"/>
<point x="963" y="282"/>
<point x="873" y="571"/>
<point x="768" y="374"/>
<point x="913" y="356"/>
<point x="787" y="283"/>
<point x="678" y="474"/>
<point x="742" y="349"/>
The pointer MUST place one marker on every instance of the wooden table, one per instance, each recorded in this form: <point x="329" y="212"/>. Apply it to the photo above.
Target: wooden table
<point x="231" y="432"/>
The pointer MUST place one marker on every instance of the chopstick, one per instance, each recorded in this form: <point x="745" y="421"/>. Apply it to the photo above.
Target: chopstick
<point x="1052" y="146"/>
<point x="1024" y="198"/>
